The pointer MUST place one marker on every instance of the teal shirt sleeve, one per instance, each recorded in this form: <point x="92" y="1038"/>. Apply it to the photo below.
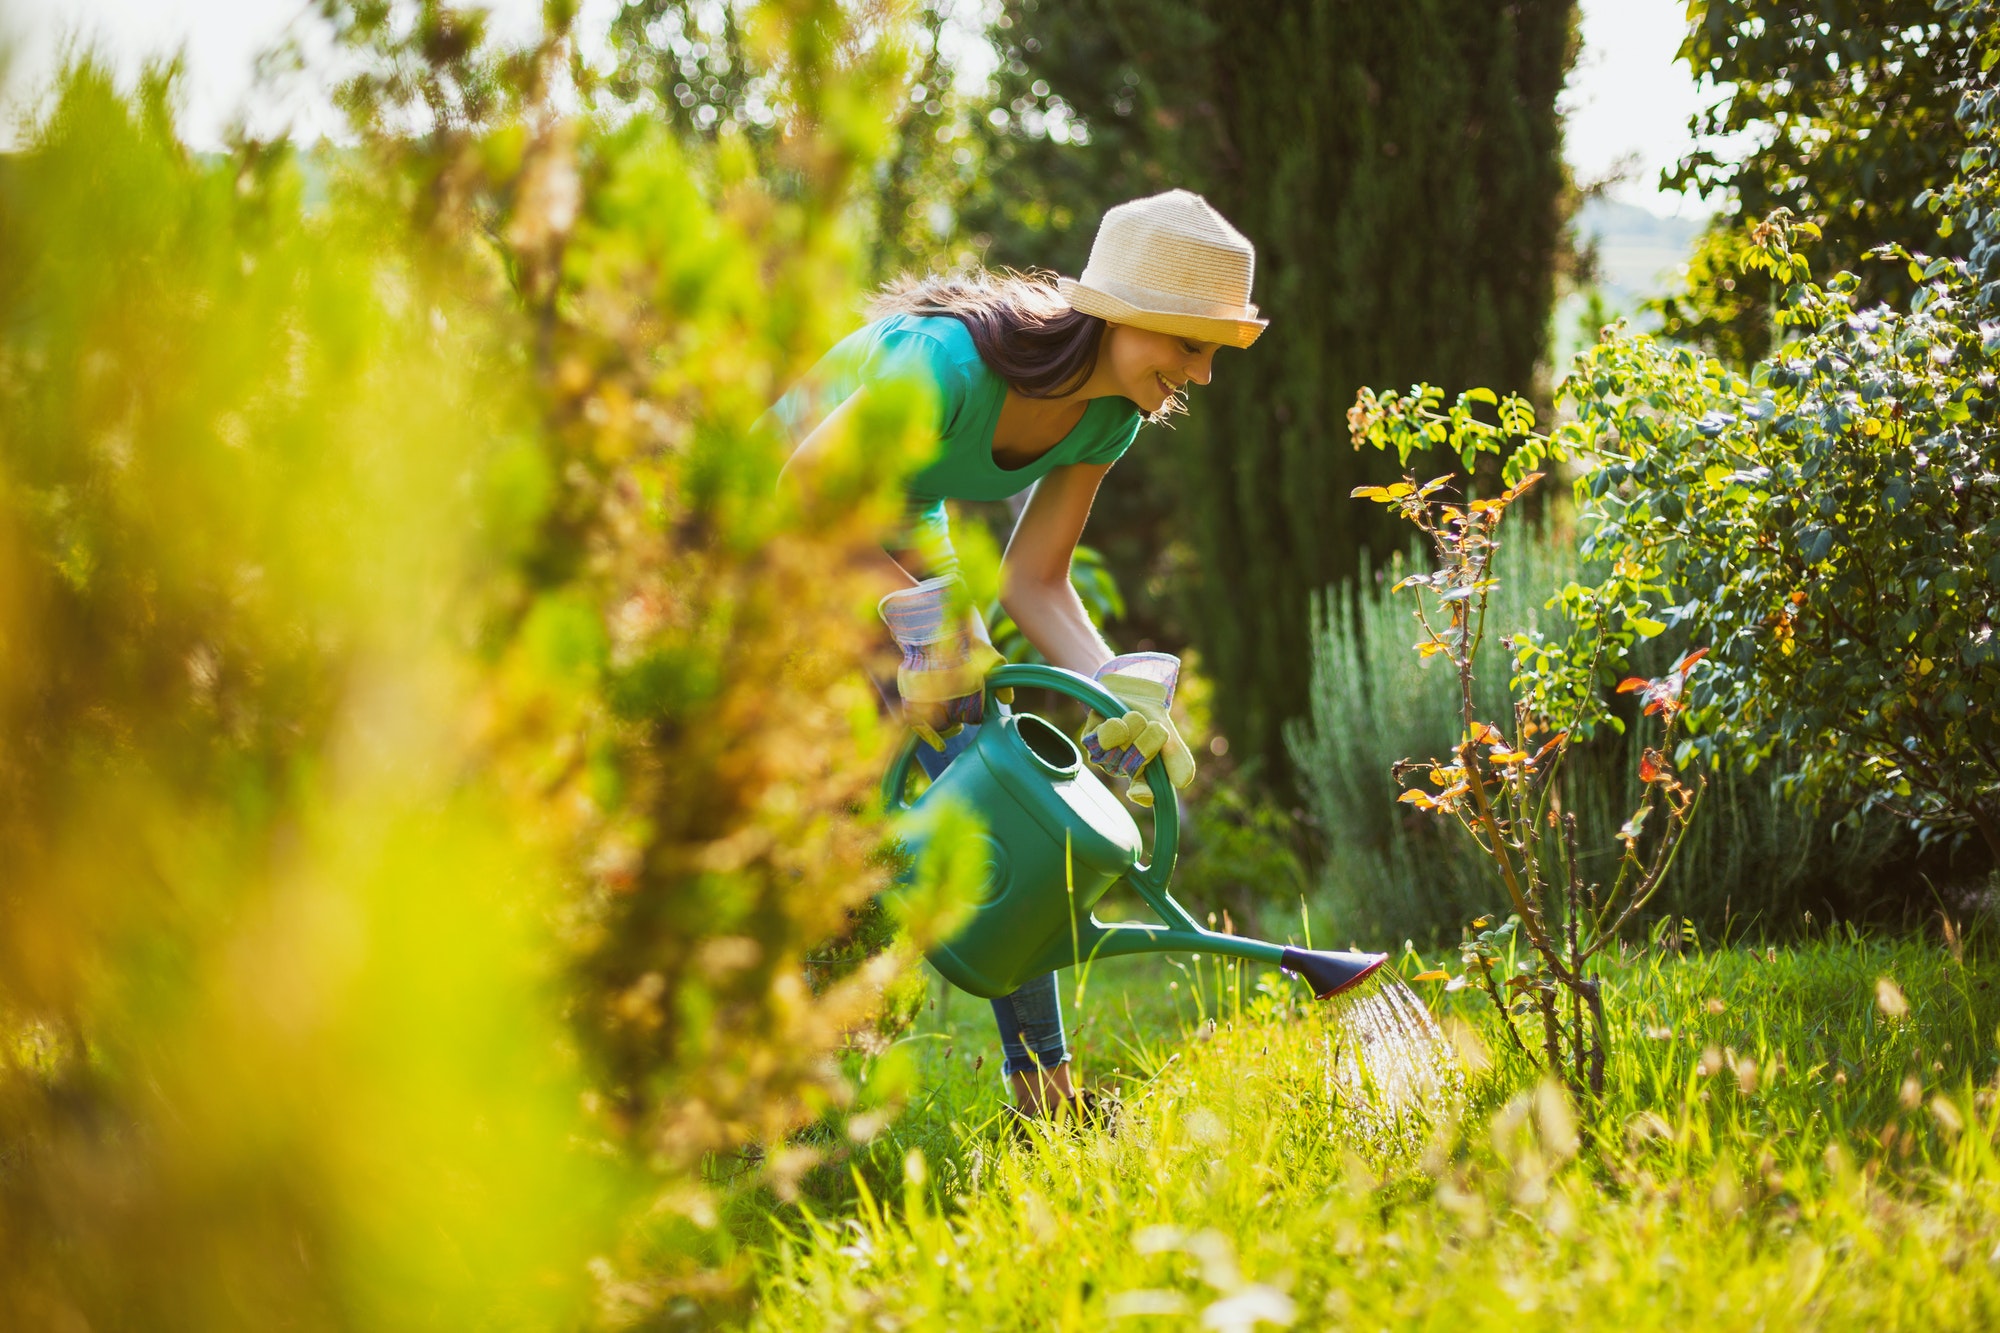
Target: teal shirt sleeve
<point x="886" y="351"/>
<point x="936" y="355"/>
<point x="910" y="354"/>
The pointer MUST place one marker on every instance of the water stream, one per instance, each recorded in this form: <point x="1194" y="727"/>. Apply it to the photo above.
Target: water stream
<point x="1390" y="1071"/>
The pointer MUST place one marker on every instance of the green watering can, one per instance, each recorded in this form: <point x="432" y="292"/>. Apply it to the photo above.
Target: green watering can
<point x="1055" y="840"/>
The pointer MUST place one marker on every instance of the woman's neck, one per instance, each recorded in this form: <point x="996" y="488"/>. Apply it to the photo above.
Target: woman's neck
<point x="1098" y="384"/>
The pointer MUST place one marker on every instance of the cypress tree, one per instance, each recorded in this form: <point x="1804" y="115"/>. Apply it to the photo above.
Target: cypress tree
<point x="1399" y="168"/>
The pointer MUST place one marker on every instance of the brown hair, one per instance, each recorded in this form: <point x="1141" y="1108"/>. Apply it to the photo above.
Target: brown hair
<point x="1020" y="323"/>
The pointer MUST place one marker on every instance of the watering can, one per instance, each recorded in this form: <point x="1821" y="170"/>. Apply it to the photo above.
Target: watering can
<point x="1055" y="840"/>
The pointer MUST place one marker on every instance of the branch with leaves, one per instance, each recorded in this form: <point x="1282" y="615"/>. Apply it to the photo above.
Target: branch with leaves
<point x="1500" y="784"/>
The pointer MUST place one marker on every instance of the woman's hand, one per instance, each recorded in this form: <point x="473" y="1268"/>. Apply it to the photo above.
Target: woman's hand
<point x="1144" y="683"/>
<point x="946" y="657"/>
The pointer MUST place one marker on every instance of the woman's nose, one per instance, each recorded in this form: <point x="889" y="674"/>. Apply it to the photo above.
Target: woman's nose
<point x="1200" y="370"/>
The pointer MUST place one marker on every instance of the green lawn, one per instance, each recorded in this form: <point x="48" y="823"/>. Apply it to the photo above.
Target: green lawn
<point x="1780" y="1147"/>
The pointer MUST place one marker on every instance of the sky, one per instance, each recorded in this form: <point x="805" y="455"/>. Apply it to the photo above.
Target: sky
<point x="1627" y="100"/>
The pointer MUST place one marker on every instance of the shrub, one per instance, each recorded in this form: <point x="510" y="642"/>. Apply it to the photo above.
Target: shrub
<point x="1503" y="783"/>
<point x="1757" y="856"/>
<point x="1843" y="114"/>
<point x="1831" y="523"/>
<point x="429" y="742"/>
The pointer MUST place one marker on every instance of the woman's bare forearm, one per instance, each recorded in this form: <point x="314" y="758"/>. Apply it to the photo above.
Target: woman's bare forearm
<point x="1052" y="618"/>
<point x="1035" y="586"/>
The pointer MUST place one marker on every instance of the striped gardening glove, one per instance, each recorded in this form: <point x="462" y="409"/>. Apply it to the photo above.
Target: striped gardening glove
<point x="1144" y="683"/>
<point x="946" y="655"/>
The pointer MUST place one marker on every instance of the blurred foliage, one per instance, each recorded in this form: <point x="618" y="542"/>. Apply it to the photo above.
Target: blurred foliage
<point x="1967" y="201"/>
<point x="1845" y="113"/>
<point x="1243" y="854"/>
<point x="279" y="1043"/>
<point x="701" y="68"/>
<point x="1398" y="168"/>
<point x="429" y="744"/>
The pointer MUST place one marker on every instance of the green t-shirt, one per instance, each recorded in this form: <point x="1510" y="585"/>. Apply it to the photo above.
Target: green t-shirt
<point x="939" y="350"/>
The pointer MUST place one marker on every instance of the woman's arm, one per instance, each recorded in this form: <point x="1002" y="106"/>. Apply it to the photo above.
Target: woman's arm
<point x="800" y="476"/>
<point x="1034" y="576"/>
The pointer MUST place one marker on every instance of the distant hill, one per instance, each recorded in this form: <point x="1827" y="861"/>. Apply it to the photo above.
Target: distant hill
<point x="1638" y="251"/>
<point x="1639" y="254"/>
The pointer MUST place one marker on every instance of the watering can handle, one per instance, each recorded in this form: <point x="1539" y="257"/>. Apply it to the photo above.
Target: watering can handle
<point x="1152" y="876"/>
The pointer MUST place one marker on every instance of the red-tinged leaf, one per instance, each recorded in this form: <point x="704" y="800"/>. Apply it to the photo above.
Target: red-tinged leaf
<point x="1551" y="743"/>
<point x="1655" y="706"/>
<point x="1648" y="770"/>
<point x="1435" y="974"/>
<point x="1631" y="683"/>
<point x="1484" y="733"/>
<point x="1691" y="659"/>
<point x="1515" y="491"/>
<point x="1453" y="792"/>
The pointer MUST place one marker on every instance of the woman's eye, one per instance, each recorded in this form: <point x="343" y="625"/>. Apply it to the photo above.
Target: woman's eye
<point x="1190" y="349"/>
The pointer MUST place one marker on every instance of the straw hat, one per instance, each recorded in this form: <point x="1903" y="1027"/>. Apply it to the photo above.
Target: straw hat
<point x="1172" y="264"/>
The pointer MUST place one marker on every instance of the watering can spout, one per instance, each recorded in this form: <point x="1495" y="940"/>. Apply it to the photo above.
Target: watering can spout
<point x="1331" y="973"/>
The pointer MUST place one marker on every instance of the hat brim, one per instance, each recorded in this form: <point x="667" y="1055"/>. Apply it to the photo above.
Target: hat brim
<point x="1202" y="328"/>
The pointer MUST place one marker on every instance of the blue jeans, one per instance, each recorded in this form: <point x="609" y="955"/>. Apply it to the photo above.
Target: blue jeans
<point x="1031" y="1026"/>
<point x="1030" y="1019"/>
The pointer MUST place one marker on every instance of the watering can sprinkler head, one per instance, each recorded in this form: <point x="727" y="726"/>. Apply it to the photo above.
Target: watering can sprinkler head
<point x="1331" y="973"/>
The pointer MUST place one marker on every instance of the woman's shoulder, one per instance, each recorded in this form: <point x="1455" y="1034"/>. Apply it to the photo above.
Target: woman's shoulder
<point x="947" y="335"/>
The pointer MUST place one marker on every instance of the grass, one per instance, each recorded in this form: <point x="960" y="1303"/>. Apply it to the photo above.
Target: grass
<point x="1780" y="1146"/>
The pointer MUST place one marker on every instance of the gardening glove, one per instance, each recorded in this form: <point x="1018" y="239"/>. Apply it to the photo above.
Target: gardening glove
<point x="1144" y="683"/>
<point x="946" y="655"/>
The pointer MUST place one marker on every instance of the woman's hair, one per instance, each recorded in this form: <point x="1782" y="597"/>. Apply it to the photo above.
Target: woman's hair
<point x="1020" y="323"/>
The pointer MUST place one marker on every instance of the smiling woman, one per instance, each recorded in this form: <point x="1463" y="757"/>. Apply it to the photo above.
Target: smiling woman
<point x="1041" y="382"/>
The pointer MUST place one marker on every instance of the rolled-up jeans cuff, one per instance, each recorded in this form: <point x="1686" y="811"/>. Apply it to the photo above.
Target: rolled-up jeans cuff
<point x="1031" y="1027"/>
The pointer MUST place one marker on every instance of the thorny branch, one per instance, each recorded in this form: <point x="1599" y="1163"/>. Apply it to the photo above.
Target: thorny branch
<point x="1505" y="794"/>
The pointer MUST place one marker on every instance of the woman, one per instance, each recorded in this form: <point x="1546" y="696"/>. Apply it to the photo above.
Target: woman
<point x="1043" y="385"/>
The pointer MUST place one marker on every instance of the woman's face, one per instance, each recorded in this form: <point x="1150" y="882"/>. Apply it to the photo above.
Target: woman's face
<point x="1150" y="367"/>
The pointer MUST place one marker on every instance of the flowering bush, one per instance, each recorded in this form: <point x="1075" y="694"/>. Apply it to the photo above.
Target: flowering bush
<point x="1501" y="782"/>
